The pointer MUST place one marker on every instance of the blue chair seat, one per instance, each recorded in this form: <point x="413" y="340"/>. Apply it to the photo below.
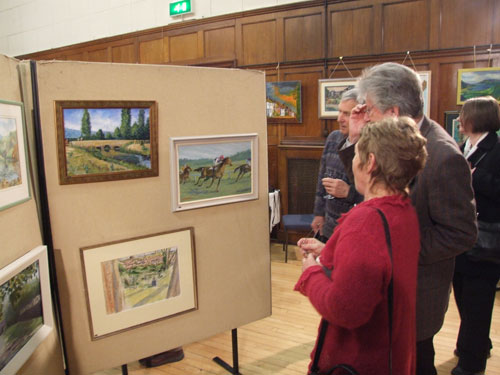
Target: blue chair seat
<point x="295" y="222"/>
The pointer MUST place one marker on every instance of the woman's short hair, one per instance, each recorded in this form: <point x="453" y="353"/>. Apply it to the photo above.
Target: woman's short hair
<point x="480" y="115"/>
<point x="399" y="151"/>
<point x="392" y="84"/>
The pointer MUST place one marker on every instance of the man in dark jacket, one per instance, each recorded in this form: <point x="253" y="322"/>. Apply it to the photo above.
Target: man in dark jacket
<point x="442" y="195"/>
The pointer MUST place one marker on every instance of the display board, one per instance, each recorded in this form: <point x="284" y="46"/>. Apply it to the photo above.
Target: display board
<point x="230" y="242"/>
<point x="20" y="233"/>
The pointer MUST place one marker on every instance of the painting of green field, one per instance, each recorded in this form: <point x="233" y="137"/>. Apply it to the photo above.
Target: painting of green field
<point x="214" y="170"/>
<point x="140" y="279"/>
<point x="20" y="311"/>
<point x="104" y="140"/>
<point x="10" y="167"/>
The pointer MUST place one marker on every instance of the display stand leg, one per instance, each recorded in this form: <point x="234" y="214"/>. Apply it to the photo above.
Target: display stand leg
<point x="124" y="370"/>
<point x="235" y="369"/>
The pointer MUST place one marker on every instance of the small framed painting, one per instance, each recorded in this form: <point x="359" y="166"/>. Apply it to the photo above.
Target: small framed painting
<point x="425" y="77"/>
<point x="14" y="180"/>
<point x="476" y="82"/>
<point x="139" y="280"/>
<point x="451" y="123"/>
<point x="213" y="170"/>
<point x="329" y="94"/>
<point x="106" y="140"/>
<point x="26" y="310"/>
<point x="284" y="101"/>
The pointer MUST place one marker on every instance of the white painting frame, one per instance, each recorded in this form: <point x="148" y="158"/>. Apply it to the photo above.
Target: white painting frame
<point x="198" y="152"/>
<point x="14" y="177"/>
<point x="38" y="335"/>
<point x="425" y="77"/>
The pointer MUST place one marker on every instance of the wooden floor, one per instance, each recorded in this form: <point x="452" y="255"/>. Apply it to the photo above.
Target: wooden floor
<point x="281" y="343"/>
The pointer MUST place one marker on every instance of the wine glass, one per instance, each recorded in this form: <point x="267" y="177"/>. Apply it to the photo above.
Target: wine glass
<point x="330" y="173"/>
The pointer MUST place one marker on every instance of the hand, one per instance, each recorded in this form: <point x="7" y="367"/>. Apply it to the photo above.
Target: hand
<point x="317" y="224"/>
<point x="310" y="246"/>
<point x="357" y="122"/>
<point x="308" y="261"/>
<point x="336" y="187"/>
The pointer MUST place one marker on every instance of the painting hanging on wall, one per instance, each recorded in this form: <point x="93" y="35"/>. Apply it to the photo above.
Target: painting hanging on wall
<point x="425" y="77"/>
<point x="284" y="101"/>
<point x="14" y="180"/>
<point x="139" y="280"/>
<point x="472" y="83"/>
<point x="106" y="140"/>
<point x="213" y="170"/>
<point x="25" y="309"/>
<point x="451" y="124"/>
<point x="330" y="92"/>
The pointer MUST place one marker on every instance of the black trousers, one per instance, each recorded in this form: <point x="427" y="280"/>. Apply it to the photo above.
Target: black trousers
<point x="475" y="297"/>
<point x="425" y="357"/>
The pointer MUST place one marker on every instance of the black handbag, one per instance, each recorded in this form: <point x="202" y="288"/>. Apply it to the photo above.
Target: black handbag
<point x="487" y="246"/>
<point x="348" y="369"/>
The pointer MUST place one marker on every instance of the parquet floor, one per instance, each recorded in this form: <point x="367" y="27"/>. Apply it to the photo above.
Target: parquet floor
<point x="281" y="343"/>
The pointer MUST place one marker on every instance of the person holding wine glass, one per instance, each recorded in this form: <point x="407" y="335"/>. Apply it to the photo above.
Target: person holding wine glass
<point x="335" y="194"/>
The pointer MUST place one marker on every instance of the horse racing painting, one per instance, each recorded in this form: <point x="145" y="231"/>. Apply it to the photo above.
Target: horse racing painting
<point x="213" y="170"/>
<point x="139" y="280"/>
<point x="14" y="187"/>
<point x="106" y="140"/>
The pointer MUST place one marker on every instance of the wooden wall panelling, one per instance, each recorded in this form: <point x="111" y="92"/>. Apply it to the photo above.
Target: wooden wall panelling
<point x="466" y="23"/>
<point x="304" y="34"/>
<point x="79" y="56"/>
<point x="351" y="31"/>
<point x="184" y="47"/>
<point x="151" y="49"/>
<point x="311" y="124"/>
<point x="405" y="26"/>
<point x="220" y="42"/>
<point x="125" y="52"/>
<point x="496" y="22"/>
<point x="99" y="54"/>
<point x="258" y="39"/>
<point x="272" y="162"/>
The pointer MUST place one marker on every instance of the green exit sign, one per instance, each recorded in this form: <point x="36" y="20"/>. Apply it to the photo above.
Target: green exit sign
<point x="180" y="7"/>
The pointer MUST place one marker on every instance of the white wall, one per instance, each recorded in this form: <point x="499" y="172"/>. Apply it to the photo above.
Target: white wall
<point x="28" y="26"/>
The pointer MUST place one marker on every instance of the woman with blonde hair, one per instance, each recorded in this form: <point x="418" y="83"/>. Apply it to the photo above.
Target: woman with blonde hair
<point x="348" y="279"/>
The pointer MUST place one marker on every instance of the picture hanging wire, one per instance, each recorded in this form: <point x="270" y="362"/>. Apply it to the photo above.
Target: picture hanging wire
<point x="411" y="60"/>
<point x="474" y="56"/>
<point x="489" y="54"/>
<point x="278" y="69"/>
<point x="341" y="60"/>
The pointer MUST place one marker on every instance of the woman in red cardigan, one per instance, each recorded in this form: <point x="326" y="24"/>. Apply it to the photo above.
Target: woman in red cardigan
<point x="353" y="299"/>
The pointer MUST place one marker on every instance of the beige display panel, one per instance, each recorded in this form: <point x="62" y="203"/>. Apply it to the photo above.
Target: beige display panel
<point x="20" y="233"/>
<point x="231" y="240"/>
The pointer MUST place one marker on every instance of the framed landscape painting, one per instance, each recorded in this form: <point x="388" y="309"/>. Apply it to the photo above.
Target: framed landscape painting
<point x="425" y="77"/>
<point x="284" y="101"/>
<point x="329" y="94"/>
<point x="139" y="280"/>
<point x="106" y="140"/>
<point x="25" y="309"/>
<point x="451" y="123"/>
<point x="472" y="83"/>
<point x="213" y="170"/>
<point x="14" y="181"/>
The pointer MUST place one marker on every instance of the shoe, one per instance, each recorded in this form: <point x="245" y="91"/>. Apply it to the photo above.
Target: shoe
<point x="456" y="353"/>
<point x="174" y="355"/>
<point x="460" y="371"/>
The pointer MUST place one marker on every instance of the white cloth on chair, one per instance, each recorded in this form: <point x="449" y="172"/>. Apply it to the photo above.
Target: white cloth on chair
<point x="274" y="206"/>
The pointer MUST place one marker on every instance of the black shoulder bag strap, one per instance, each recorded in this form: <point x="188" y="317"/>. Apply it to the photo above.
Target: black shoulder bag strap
<point x="390" y="302"/>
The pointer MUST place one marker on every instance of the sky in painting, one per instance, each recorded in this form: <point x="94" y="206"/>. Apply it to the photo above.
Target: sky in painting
<point x="481" y="75"/>
<point x="7" y="125"/>
<point x="106" y="119"/>
<point x="212" y="150"/>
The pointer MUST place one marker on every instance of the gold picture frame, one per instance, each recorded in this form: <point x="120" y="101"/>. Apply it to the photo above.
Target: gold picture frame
<point x="106" y="140"/>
